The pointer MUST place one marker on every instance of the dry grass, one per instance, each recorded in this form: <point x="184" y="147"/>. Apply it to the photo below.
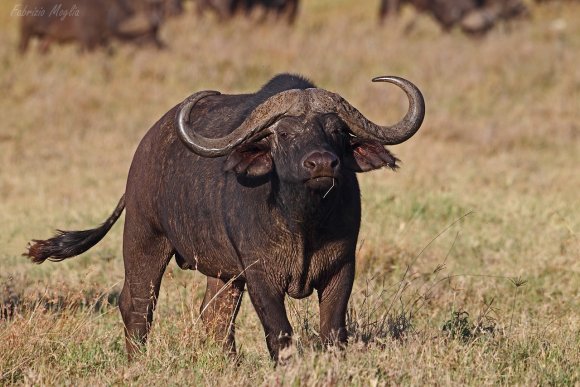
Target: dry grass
<point x="500" y="142"/>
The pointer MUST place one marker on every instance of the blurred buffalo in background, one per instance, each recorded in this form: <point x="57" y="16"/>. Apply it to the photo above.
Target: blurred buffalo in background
<point x="472" y="16"/>
<point x="446" y="12"/>
<point x="172" y="8"/>
<point x="223" y="9"/>
<point x="92" y="23"/>
<point x="226" y="9"/>
<point x="287" y="9"/>
<point x="482" y="19"/>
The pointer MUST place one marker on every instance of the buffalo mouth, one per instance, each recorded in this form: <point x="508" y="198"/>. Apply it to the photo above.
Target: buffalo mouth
<point x="321" y="183"/>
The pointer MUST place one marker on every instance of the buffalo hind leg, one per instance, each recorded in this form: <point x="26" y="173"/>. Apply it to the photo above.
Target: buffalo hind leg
<point x="219" y="309"/>
<point x="146" y="255"/>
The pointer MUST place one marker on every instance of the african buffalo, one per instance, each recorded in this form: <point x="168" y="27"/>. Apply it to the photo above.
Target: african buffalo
<point x="172" y="8"/>
<point x="446" y="12"/>
<point x="90" y="22"/>
<point x="472" y="16"/>
<point x="226" y="9"/>
<point x="253" y="190"/>
<point x="287" y="9"/>
<point x="482" y="19"/>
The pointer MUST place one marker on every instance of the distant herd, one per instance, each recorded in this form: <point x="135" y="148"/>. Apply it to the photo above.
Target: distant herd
<point x="94" y="23"/>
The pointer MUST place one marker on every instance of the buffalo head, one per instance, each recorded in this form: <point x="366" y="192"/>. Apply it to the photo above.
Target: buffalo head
<point x="308" y="136"/>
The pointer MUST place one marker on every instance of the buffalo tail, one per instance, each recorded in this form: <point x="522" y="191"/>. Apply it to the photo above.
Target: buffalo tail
<point x="67" y="244"/>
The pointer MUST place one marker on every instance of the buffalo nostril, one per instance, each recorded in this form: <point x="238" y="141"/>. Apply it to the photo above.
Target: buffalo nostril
<point x="329" y="160"/>
<point x="321" y="161"/>
<point x="333" y="162"/>
<point x="309" y="163"/>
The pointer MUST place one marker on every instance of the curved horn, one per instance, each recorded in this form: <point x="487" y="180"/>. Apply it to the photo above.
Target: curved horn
<point x="387" y="135"/>
<point x="261" y="117"/>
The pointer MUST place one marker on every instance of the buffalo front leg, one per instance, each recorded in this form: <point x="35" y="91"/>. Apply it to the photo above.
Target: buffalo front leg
<point x="219" y="309"/>
<point x="269" y="305"/>
<point x="146" y="255"/>
<point x="333" y="297"/>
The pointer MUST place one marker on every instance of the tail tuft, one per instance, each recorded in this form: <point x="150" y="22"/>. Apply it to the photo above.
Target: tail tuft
<point x="67" y="244"/>
<point x="64" y="244"/>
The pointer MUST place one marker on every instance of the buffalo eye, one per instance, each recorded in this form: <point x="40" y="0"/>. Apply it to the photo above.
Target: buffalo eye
<point x="283" y="134"/>
<point x="335" y="131"/>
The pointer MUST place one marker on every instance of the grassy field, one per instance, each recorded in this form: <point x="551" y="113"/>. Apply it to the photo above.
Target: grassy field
<point x="469" y="256"/>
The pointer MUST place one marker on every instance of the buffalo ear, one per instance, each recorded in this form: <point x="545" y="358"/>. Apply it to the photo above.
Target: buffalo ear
<point x="367" y="155"/>
<point x="253" y="159"/>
